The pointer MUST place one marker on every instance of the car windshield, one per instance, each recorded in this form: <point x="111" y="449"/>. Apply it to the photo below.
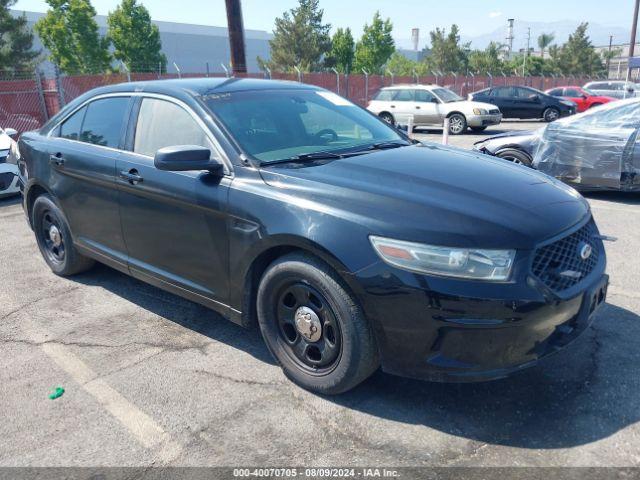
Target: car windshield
<point x="276" y="125"/>
<point x="446" y="95"/>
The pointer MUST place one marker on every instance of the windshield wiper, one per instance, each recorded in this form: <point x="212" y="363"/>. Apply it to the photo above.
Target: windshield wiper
<point x="382" y="146"/>
<point x="303" y="157"/>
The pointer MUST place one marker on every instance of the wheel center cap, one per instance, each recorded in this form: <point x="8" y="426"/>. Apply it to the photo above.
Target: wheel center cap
<point x="54" y="236"/>
<point x="308" y="324"/>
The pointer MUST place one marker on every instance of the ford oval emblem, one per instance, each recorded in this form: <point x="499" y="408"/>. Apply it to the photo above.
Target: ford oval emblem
<point x="584" y="250"/>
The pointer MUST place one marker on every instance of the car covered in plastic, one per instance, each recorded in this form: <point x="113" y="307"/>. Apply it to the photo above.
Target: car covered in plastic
<point x="595" y="150"/>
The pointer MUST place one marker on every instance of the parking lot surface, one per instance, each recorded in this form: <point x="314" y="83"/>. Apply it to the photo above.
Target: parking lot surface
<point x="151" y="379"/>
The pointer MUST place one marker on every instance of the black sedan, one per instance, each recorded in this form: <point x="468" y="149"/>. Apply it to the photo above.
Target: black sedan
<point x="596" y="150"/>
<point x="286" y="205"/>
<point x="525" y="102"/>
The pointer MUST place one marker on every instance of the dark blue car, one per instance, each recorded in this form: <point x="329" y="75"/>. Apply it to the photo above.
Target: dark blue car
<point x="350" y="246"/>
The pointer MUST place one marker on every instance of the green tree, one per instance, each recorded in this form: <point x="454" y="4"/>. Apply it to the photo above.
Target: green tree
<point x="544" y="40"/>
<point x="447" y="54"/>
<point x="299" y="39"/>
<point x="577" y="56"/>
<point x="136" y="40"/>
<point x="487" y="60"/>
<point x="534" y="67"/>
<point x="398" y="64"/>
<point x="342" y="51"/>
<point x="376" y="45"/>
<point x="70" y="33"/>
<point x="16" y="40"/>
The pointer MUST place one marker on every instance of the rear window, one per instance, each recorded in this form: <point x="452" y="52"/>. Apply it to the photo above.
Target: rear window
<point x="385" y="95"/>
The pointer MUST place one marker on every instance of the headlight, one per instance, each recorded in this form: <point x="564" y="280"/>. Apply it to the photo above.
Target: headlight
<point x="472" y="263"/>
<point x="480" y="111"/>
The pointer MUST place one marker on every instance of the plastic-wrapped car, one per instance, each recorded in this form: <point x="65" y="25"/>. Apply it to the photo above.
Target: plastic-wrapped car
<point x="597" y="150"/>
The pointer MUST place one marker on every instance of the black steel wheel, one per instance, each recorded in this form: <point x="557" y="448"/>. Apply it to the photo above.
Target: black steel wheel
<point x="308" y="327"/>
<point x="54" y="238"/>
<point x="313" y="326"/>
<point x="516" y="156"/>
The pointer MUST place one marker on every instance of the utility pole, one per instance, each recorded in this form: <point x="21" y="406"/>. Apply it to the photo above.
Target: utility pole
<point x="236" y="36"/>
<point x="526" y="54"/>
<point x="609" y="55"/>
<point x="634" y="29"/>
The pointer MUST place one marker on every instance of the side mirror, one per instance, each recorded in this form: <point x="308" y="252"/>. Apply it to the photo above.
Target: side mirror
<point x="12" y="132"/>
<point x="435" y="100"/>
<point x="535" y="97"/>
<point x="184" y="158"/>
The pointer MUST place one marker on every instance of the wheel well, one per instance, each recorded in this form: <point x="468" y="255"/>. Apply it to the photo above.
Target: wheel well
<point x="385" y="113"/>
<point x="257" y="269"/>
<point x="33" y="193"/>
<point x="454" y="112"/>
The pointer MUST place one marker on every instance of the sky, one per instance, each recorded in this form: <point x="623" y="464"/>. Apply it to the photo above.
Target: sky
<point x="474" y="17"/>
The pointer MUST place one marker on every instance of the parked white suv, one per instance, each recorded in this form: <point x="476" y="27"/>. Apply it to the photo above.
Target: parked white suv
<point x="429" y="105"/>
<point x="9" y="173"/>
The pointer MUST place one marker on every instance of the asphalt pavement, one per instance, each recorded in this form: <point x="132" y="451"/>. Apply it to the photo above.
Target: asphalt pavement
<point x="152" y="379"/>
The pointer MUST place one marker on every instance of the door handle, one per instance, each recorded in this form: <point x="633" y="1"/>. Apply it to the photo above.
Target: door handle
<point x="56" y="159"/>
<point x="131" y="176"/>
<point x="392" y="106"/>
<point x="417" y="107"/>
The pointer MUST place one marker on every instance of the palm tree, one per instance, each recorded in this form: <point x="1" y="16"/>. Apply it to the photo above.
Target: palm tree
<point x="544" y="40"/>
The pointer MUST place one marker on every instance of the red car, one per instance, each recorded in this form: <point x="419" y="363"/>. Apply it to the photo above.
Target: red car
<point x="582" y="97"/>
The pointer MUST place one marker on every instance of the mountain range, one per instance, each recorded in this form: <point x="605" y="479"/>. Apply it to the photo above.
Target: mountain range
<point x="598" y="33"/>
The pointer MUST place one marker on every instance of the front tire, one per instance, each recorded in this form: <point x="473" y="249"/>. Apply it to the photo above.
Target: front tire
<point x="457" y="124"/>
<point x="387" y="117"/>
<point x="516" y="156"/>
<point x="550" y="114"/>
<point x="313" y="326"/>
<point x="54" y="239"/>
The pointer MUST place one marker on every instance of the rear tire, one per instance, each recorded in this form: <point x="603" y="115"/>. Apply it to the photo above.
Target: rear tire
<point x="550" y="114"/>
<point x="298" y="293"/>
<point x="516" y="156"/>
<point x="54" y="239"/>
<point x="457" y="124"/>
<point x="387" y="117"/>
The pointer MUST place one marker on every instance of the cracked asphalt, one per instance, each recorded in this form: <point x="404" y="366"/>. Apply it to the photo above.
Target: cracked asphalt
<point x="151" y="379"/>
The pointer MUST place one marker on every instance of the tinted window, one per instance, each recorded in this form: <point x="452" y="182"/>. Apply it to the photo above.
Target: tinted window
<point x="404" y="96"/>
<point x="573" y="93"/>
<point x="556" y="92"/>
<point x="385" y="95"/>
<point x="70" y="128"/>
<point x="502" y="92"/>
<point x="165" y="124"/>
<point x="524" y="93"/>
<point x="103" y="121"/>
<point x="424" y="96"/>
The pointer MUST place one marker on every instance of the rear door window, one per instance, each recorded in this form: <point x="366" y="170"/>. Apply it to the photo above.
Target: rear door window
<point x="404" y="96"/>
<point x="424" y="96"/>
<point x="103" y="121"/>
<point x="70" y="128"/>
<point x="385" y="95"/>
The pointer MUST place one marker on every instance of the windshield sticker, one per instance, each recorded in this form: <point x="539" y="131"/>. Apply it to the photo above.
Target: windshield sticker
<point x="335" y="99"/>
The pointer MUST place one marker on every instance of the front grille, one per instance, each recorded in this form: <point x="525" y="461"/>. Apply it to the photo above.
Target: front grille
<point x="494" y="111"/>
<point x="560" y="265"/>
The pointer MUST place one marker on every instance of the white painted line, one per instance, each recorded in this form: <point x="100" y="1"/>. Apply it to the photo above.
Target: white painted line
<point x="139" y="424"/>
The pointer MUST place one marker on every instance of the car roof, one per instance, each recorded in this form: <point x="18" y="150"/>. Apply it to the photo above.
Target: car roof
<point x="414" y="86"/>
<point x="202" y="86"/>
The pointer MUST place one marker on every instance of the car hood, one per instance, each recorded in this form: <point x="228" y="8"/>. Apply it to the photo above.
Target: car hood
<point x="436" y="195"/>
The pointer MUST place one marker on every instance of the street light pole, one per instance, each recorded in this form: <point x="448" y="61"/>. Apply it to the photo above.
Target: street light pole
<point x="634" y="29"/>
<point x="609" y="55"/>
<point x="236" y="36"/>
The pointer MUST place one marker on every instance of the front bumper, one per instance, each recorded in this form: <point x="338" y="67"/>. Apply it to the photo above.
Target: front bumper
<point x="484" y="120"/>
<point x="9" y="180"/>
<point x="449" y="330"/>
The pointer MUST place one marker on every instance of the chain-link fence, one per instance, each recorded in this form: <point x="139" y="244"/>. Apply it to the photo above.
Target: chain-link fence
<point x="27" y="99"/>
